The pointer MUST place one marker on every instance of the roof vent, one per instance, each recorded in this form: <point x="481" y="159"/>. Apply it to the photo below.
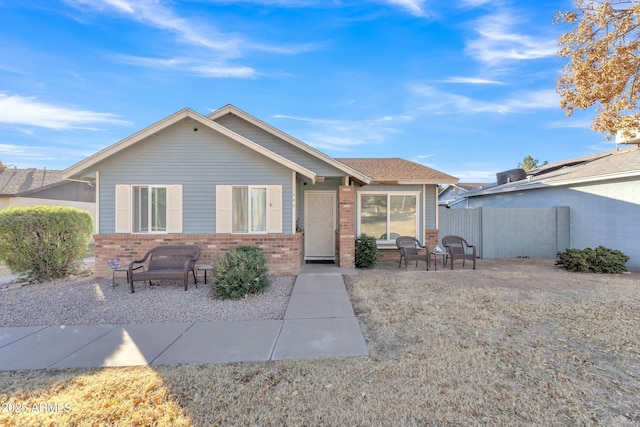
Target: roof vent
<point x="512" y="175"/>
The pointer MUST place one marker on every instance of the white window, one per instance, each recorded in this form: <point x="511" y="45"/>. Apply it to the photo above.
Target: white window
<point x="388" y="215"/>
<point x="248" y="209"/>
<point x="148" y="209"/>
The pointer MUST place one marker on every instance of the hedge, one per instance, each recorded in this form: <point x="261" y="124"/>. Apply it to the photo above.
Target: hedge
<point x="45" y="242"/>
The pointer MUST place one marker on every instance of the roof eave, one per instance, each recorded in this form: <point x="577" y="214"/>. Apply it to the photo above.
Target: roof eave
<point x="524" y="186"/>
<point x="434" y="181"/>
<point x="596" y="178"/>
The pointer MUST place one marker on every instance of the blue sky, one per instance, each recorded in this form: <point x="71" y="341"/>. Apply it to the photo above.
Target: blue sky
<point x="466" y="87"/>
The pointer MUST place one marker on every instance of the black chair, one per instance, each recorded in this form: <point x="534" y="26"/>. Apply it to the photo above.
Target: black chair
<point x="458" y="248"/>
<point x="409" y="247"/>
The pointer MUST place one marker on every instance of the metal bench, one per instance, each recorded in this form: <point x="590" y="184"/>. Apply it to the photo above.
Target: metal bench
<point x="166" y="262"/>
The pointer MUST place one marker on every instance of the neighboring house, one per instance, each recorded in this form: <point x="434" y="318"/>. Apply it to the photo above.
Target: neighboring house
<point x="453" y="194"/>
<point x="601" y="190"/>
<point x="229" y="179"/>
<point x="29" y="187"/>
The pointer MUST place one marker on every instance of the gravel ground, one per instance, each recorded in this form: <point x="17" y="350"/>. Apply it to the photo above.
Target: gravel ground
<point x="91" y="301"/>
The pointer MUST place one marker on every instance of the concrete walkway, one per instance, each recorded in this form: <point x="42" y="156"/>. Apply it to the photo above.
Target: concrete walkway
<point x="319" y="323"/>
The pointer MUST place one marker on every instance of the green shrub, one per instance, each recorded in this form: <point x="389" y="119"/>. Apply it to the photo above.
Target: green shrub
<point x="598" y="260"/>
<point x="45" y="242"/>
<point x="366" y="251"/>
<point x="239" y="272"/>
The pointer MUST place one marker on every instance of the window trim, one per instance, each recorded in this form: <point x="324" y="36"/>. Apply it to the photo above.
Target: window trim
<point x="249" y="209"/>
<point x="149" y="187"/>
<point x="389" y="243"/>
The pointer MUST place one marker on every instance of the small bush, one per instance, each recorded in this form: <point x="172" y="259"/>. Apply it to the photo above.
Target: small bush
<point x="239" y="272"/>
<point x="45" y="242"/>
<point x="598" y="260"/>
<point x="366" y="251"/>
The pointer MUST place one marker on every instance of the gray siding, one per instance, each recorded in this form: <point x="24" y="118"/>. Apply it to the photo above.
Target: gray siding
<point x="431" y="210"/>
<point x="71" y="190"/>
<point x="279" y="146"/>
<point x="196" y="160"/>
<point x="606" y="213"/>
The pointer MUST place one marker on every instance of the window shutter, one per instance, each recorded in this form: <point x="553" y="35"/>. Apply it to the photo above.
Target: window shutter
<point x="274" y="209"/>
<point x="174" y="209"/>
<point x="123" y="209"/>
<point x="223" y="209"/>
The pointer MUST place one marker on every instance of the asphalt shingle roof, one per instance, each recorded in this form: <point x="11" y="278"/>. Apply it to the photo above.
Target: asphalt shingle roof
<point x="391" y="170"/>
<point x="591" y="168"/>
<point x="14" y="182"/>
<point x="471" y="185"/>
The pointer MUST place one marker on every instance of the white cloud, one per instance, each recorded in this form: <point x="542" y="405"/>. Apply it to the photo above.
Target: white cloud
<point x="194" y="65"/>
<point x="474" y="3"/>
<point x="414" y="7"/>
<point x="470" y="175"/>
<point x="473" y="81"/>
<point x="569" y="123"/>
<point x="20" y="110"/>
<point x="198" y="33"/>
<point x="443" y="102"/>
<point x="421" y="158"/>
<point x="277" y="3"/>
<point x="468" y="172"/>
<point x="154" y="14"/>
<point x="39" y="156"/>
<point x="498" y="40"/>
<point x="121" y="5"/>
<point x="343" y="135"/>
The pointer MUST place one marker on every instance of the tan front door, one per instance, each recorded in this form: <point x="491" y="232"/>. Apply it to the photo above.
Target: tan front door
<point x="319" y="225"/>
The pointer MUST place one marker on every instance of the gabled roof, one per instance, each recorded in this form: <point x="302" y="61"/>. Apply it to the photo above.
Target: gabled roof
<point x="470" y="185"/>
<point x="231" y="109"/>
<point x="80" y="169"/>
<point x="20" y="182"/>
<point x="586" y="169"/>
<point x="397" y="171"/>
<point x="466" y="186"/>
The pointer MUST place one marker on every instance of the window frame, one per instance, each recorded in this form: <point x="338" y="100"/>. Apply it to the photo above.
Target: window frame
<point x="250" y="209"/>
<point x="149" y="187"/>
<point x="389" y="242"/>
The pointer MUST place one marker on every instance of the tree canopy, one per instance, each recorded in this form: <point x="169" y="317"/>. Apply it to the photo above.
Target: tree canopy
<point x="604" y="62"/>
<point x="529" y="163"/>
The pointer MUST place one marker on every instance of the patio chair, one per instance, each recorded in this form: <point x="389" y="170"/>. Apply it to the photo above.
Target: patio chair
<point x="458" y="248"/>
<point x="409" y="247"/>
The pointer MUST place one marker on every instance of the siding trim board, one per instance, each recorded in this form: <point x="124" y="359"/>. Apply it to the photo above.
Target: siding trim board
<point x="96" y="226"/>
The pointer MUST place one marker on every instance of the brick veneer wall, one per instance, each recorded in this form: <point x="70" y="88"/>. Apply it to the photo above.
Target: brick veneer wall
<point x="283" y="251"/>
<point x="431" y="238"/>
<point x="346" y="226"/>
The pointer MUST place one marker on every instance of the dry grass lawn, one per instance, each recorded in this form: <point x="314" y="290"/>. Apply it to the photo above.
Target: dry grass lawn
<point x="512" y="343"/>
